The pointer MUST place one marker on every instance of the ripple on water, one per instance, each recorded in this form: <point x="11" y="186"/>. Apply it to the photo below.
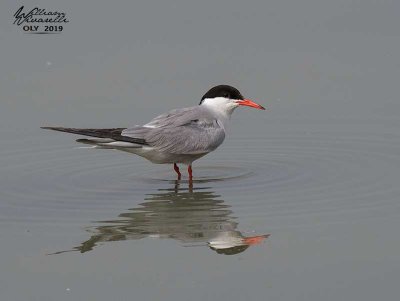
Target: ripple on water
<point x="289" y="175"/>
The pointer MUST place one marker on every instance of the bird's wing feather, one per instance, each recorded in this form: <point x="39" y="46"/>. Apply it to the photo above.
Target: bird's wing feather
<point x="183" y="131"/>
<point x="177" y="117"/>
<point x="114" y="133"/>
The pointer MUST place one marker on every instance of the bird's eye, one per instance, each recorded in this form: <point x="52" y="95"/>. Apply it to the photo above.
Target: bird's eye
<point x="226" y="95"/>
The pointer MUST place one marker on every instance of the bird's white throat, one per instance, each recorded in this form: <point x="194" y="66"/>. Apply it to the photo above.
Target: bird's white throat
<point x="221" y="106"/>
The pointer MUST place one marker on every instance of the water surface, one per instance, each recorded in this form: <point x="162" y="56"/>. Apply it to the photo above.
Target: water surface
<point x="301" y="202"/>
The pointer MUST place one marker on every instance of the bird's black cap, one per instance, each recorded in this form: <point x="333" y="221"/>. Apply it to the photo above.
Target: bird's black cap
<point x="222" y="91"/>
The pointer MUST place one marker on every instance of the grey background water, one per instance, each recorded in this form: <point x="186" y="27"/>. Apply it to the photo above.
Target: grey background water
<point x="319" y="171"/>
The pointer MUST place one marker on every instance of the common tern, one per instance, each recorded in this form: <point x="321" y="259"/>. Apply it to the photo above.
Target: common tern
<point x="178" y="136"/>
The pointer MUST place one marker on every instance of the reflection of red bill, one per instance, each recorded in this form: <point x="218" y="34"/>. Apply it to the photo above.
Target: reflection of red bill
<point x="255" y="240"/>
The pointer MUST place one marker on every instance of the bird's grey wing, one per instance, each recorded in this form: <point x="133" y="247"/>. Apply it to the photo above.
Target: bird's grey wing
<point x="182" y="131"/>
<point x="178" y="117"/>
<point x="196" y="137"/>
<point x="172" y="118"/>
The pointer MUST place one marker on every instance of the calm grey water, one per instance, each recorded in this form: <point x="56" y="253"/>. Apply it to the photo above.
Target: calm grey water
<point x="300" y="203"/>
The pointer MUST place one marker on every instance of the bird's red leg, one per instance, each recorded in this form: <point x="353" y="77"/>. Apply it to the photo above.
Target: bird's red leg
<point x="176" y="168"/>
<point x="190" y="172"/>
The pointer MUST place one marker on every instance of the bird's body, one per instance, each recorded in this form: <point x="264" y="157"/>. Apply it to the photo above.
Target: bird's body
<point x="178" y="136"/>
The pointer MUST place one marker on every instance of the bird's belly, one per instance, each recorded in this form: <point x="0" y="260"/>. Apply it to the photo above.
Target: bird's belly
<point x="155" y="156"/>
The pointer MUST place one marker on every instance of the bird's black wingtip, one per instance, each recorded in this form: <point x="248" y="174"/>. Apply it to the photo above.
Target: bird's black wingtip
<point x="50" y="127"/>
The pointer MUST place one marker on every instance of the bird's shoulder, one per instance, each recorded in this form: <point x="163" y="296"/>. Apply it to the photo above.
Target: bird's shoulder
<point x="181" y="117"/>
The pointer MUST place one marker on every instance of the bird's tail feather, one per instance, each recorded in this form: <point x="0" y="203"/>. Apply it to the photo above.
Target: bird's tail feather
<point x="93" y="141"/>
<point x="108" y="143"/>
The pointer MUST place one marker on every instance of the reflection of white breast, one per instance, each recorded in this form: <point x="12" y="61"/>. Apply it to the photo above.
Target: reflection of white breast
<point x="226" y="240"/>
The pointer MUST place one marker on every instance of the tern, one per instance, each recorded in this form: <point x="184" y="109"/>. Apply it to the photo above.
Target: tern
<point x="179" y="136"/>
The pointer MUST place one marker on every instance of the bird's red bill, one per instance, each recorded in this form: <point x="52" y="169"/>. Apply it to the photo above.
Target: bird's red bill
<point x="250" y="103"/>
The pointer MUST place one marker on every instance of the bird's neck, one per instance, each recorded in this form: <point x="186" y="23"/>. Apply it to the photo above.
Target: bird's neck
<point x="220" y="107"/>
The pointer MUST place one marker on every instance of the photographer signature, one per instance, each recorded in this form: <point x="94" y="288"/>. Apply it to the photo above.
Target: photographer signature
<point x="38" y="15"/>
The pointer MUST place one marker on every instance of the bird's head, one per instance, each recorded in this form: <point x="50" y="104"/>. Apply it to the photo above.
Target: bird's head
<point x="225" y="99"/>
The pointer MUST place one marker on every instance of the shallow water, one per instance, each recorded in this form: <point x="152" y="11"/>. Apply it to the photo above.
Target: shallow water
<point x="308" y="210"/>
<point x="301" y="202"/>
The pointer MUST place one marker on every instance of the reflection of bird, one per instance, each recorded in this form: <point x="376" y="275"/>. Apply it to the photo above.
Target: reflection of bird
<point x="192" y="217"/>
<point x="179" y="136"/>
